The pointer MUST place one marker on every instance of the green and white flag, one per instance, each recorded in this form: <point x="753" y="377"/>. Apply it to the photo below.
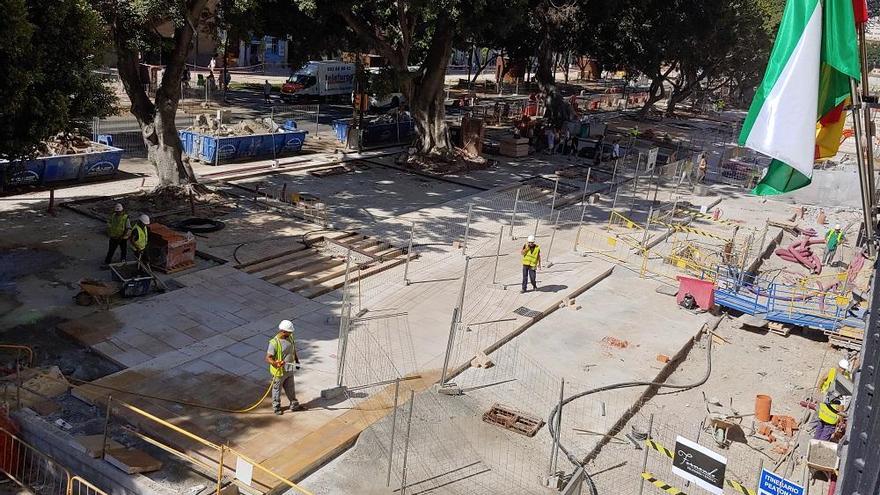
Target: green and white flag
<point x="805" y="90"/>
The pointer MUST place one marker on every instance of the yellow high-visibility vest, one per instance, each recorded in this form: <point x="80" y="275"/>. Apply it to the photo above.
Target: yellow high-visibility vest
<point x="116" y="225"/>
<point x="827" y="414"/>
<point x="832" y="374"/>
<point x="141" y="242"/>
<point x="276" y="342"/>
<point x="531" y="256"/>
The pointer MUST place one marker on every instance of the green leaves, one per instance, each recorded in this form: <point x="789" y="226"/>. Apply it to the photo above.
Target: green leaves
<point x="50" y="51"/>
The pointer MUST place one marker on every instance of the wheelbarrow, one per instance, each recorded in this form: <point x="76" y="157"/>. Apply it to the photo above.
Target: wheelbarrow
<point x="96" y="291"/>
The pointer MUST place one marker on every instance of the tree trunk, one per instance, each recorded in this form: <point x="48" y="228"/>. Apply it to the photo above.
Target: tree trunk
<point x="426" y="95"/>
<point x="156" y="119"/>
<point x="556" y="109"/>
<point x="656" y="92"/>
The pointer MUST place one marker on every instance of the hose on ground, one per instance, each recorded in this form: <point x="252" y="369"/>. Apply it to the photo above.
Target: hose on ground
<point x="177" y="401"/>
<point x="615" y="386"/>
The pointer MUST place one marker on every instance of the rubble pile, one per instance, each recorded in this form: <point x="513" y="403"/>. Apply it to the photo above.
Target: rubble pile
<point x="211" y="126"/>
<point x="69" y="144"/>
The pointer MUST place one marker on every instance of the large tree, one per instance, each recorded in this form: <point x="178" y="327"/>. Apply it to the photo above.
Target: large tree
<point x="137" y="26"/>
<point x="415" y="37"/>
<point x="49" y="52"/>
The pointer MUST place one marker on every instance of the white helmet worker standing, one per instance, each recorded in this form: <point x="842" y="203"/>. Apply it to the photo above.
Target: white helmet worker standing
<point x="279" y="354"/>
<point x="531" y="261"/>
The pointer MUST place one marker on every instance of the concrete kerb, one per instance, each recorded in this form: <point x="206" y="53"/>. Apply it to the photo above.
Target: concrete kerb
<point x="57" y="444"/>
<point x="650" y="391"/>
<point x="527" y="324"/>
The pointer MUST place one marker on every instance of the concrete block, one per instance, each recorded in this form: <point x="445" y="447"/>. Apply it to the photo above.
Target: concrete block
<point x="93" y="445"/>
<point x="132" y="461"/>
<point x="481" y="360"/>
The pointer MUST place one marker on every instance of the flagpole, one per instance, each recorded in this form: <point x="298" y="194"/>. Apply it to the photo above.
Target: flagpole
<point x="864" y="177"/>
<point x="864" y="131"/>
<point x="869" y="128"/>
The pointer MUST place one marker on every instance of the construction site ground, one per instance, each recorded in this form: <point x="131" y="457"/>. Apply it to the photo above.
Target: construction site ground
<point x="596" y="318"/>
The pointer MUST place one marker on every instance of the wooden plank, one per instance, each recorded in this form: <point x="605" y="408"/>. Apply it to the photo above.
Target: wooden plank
<point x="266" y="268"/>
<point x="249" y="266"/>
<point x="336" y="283"/>
<point x="302" y="458"/>
<point x="294" y="275"/>
<point x="281" y="270"/>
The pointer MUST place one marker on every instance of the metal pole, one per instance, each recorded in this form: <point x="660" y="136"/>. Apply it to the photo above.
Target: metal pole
<point x="393" y="431"/>
<point x="537" y="222"/>
<point x="343" y="323"/>
<point x="467" y="262"/>
<point x="577" y="236"/>
<point x="553" y="201"/>
<point x="406" y="444"/>
<point x="106" y="427"/>
<point x="614" y="172"/>
<point x="869" y="127"/>
<point x="513" y="215"/>
<point x="409" y="248"/>
<point x="614" y="203"/>
<point x="586" y="185"/>
<point x="317" y="119"/>
<point x="497" y="256"/>
<point x="220" y="468"/>
<point x="760" y="470"/>
<point x="456" y="320"/>
<point x="467" y="228"/>
<point x="647" y="228"/>
<point x="645" y="454"/>
<point x="555" y="448"/>
<point x="552" y="237"/>
<point x="865" y="176"/>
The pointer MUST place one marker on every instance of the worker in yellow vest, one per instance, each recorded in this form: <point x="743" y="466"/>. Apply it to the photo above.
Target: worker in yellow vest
<point x="832" y="240"/>
<point x="828" y="417"/>
<point x="843" y="368"/>
<point x="140" y="237"/>
<point x="279" y="355"/>
<point x="118" y="231"/>
<point x="531" y="261"/>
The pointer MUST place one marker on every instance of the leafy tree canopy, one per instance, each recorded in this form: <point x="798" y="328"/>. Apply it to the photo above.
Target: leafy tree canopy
<point x="49" y="51"/>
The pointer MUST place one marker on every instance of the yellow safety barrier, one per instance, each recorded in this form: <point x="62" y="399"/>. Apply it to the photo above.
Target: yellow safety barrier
<point x="210" y="464"/>
<point x="19" y="349"/>
<point x="38" y="472"/>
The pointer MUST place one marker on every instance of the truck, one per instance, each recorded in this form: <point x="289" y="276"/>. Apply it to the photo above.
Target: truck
<point x="320" y="80"/>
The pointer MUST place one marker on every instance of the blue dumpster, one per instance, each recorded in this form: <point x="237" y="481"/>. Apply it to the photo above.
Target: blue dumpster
<point x="213" y="149"/>
<point x="49" y="169"/>
<point x="377" y="133"/>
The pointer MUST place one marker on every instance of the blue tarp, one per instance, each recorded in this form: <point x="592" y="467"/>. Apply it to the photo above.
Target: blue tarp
<point x="44" y="170"/>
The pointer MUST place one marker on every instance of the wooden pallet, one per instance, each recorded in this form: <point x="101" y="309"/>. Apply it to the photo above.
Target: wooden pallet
<point x="513" y="420"/>
<point x="847" y="337"/>
<point x="782" y="329"/>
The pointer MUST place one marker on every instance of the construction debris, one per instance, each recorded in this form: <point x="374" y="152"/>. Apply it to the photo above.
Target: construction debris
<point x="615" y="342"/>
<point x="69" y="144"/>
<point x="481" y="360"/>
<point x="211" y="126"/>
<point x="132" y="461"/>
<point x="513" y="420"/>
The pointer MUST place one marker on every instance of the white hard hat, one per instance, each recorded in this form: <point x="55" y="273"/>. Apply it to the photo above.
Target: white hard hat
<point x="145" y="219"/>
<point x="844" y="364"/>
<point x="531" y="238"/>
<point x="837" y="227"/>
<point x="118" y="207"/>
<point x="285" y="326"/>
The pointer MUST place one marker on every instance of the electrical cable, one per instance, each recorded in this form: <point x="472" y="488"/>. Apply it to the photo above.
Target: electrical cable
<point x="615" y="386"/>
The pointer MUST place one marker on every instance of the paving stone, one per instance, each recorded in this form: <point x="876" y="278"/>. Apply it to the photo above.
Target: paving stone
<point x="240" y="349"/>
<point x="93" y="445"/>
<point x="132" y="461"/>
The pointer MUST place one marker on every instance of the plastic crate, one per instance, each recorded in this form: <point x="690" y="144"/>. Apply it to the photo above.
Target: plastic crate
<point x="134" y="283"/>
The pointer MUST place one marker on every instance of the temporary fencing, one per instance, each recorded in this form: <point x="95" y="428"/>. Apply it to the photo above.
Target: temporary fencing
<point x="36" y="471"/>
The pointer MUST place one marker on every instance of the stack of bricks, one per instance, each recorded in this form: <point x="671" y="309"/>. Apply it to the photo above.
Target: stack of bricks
<point x="170" y="251"/>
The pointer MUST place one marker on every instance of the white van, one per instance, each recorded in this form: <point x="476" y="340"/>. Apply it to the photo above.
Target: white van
<point x="320" y="80"/>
